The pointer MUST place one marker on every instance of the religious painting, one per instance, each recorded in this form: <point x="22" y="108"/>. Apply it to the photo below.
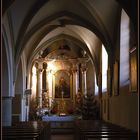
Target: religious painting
<point x="116" y="78"/>
<point x="62" y="84"/>
<point x="133" y="71"/>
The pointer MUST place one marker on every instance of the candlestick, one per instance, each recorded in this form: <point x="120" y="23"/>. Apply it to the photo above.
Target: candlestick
<point x="62" y="94"/>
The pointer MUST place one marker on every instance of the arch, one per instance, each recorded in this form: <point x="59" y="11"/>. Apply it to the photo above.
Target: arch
<point x="76" y="20"/>
<point x="7" y="81"/>
<point x="27" y="19"/>
<point x="6" y="4"/>
<point x="59" y="37"/>
<point x="8" y="57"/>
<point x="5" y="73"/>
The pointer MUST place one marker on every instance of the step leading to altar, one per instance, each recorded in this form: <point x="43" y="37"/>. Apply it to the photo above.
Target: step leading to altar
<point x="61" y="124"/>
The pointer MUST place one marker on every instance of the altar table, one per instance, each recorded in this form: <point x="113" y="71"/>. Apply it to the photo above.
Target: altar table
<point x="58" y="118"/>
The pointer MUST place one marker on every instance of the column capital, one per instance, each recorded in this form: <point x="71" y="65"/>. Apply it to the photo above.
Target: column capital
<point x="40" y="70"/>
<point x="38" y="64"/>
<point x="73" y="60"/>
<point x="84" y="69"/>
<point x="28" y="92"/>
<point x="83" y="60"/>
<point x="74" y="67"/>
<point x="74" y="70"/>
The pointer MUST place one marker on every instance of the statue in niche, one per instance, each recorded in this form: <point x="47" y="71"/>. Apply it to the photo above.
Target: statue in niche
<point x="78" y="102"/>
<point x="79" y="98"/>
<point x="45" y="99"/>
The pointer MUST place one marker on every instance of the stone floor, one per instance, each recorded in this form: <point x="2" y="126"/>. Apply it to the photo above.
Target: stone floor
<point x="62" y="137"/>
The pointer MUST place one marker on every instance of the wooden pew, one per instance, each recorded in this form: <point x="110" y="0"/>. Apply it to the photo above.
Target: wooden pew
<point x="27" y="130"/>
<point x="92" y="129"/>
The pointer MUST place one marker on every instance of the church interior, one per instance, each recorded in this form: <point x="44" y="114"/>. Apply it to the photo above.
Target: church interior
<point x="69" y="70"/>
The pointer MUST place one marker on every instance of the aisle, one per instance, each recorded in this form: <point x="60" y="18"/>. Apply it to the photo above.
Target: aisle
<point x="62" y="137"/>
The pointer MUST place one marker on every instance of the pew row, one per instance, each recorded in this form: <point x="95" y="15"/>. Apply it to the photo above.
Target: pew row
<point x="34" y="130"/>
<point x="98" y="130"/>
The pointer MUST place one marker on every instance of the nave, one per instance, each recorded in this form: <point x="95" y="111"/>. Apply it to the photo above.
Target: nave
<point x="69" y="69"/>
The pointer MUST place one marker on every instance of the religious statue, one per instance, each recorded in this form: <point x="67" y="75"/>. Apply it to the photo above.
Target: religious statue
<point x="78" y="102"/>
<point x="78" y="97"/>
<point x="46" y="99"/>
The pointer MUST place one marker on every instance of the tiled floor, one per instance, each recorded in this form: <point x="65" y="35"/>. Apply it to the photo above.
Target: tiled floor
<point x="62" y="137"/>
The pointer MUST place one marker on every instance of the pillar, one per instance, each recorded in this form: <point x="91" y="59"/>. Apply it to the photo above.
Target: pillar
<point x="23" y="109"/>
<point x="47" y="72"/>
<point x="50" y="85"/>
<point x="75" y="81"/>
<point x="27" y="100"/>
<point x="40" y="70"/>
<point x="84" y="79"/>
<point x="6" y="111"/>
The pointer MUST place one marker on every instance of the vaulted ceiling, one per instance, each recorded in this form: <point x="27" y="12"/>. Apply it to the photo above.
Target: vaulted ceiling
<point x="38" y="25"/>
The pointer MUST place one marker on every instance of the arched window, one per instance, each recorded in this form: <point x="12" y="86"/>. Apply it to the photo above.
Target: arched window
<point x="124" y="49"/>
<point x="104" y="69"/>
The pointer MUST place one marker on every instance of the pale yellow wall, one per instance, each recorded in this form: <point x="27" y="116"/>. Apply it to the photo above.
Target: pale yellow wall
<point x="123" y="109"/>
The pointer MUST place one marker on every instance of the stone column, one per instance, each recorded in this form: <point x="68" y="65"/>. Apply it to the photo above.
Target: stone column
<point x="23" y="109"/>
<point x="75" y="79"/>
<point x="40" y="70"/>
<point x="49" y="84"/>
<point x="47" y="80"/>
<point x="75" y="86"/>
<point x="27" y="100"/>
<point x="75" y="82"/>
<point x="6" y="111"/>
<point x="34" y="81"/>
<point x="84" y="79"/>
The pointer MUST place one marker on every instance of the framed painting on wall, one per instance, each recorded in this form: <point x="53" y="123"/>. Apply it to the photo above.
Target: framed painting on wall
<point x="116" y="78"/>
<point x="133" y="71"/>
<point x="62" y="84"/>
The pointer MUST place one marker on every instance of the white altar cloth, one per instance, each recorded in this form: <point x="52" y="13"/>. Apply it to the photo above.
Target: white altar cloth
<point x="58" y="118"/>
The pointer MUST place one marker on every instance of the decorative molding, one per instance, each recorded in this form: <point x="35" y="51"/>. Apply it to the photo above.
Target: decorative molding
<point x="133" y="49"/>
<point x="28" y="92"/>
